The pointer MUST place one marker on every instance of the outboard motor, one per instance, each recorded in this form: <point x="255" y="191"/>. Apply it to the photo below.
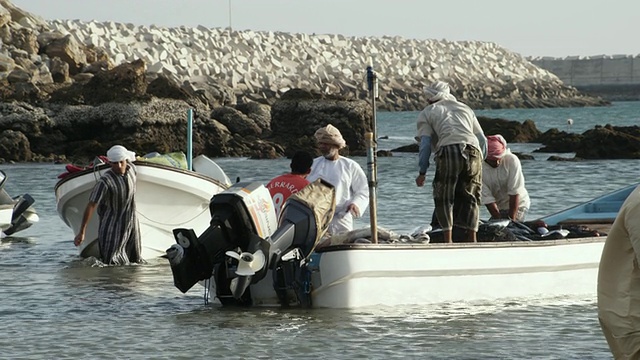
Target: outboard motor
<point x="24" y="215"/>
<point x="241" y="243"/>
<point x="241" y="218"/>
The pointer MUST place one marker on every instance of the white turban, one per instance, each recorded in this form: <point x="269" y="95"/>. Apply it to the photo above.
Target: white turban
<point x="118" y="153"/>
<point x="437" y="91"/>
<point x="330" y="135"/>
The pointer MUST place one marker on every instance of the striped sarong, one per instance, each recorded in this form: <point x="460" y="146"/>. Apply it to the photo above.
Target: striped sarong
<point x="458" y="185"/>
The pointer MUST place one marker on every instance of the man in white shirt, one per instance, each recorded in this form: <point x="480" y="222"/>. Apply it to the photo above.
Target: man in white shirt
<point x="503" y="191"/>
<point x="346" y="175"/>
<point x="452" y="130"/>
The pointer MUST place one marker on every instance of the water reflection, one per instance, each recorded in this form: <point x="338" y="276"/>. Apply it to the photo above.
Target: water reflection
<point x="16" y="240"/>
<point x="90" y="274"/>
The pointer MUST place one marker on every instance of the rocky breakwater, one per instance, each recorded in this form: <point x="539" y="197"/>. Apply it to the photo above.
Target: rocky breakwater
<point x="262" y="66"/>
<point x="72" y="89"/>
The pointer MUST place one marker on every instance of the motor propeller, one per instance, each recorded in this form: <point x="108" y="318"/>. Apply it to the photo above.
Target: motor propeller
<point x="248" y="263"/>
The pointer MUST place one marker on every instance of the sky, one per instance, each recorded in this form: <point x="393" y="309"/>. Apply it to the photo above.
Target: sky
<point x="556" y="28"/>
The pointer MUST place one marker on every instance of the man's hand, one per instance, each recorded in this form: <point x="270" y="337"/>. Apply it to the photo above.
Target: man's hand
<point x="79" y="239"/>
<point x="353" y="209"/>
<point x="420" y="180"/>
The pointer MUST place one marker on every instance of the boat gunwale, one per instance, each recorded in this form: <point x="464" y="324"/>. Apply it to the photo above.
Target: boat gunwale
<point x="478" y="245"/>
<point x="140" y="163"/>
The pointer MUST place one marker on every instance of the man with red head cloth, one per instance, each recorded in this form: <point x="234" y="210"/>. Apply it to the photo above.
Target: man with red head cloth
<point x="503" y="191"/>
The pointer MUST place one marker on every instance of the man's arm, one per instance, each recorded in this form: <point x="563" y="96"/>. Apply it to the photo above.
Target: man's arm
<point x="360" y="190"/>
<point x="514" y="203"/>
<point x="88" y="212"/>
<point x="424" y="154"/>
<point x="482" y="141"/>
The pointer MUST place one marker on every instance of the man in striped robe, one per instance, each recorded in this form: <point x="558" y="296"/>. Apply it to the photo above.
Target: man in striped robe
<point x="113" y="195"/>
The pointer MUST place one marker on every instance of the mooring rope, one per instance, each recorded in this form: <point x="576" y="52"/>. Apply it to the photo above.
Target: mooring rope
<point x="174" y="224"/>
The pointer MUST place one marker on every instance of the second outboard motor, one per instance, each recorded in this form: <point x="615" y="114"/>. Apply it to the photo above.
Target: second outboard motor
<point x="304" y="219"/>
<point x="24" y="215"/>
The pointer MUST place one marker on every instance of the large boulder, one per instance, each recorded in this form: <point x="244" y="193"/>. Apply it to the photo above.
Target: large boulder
<point x="512" y="131"/>
<point x="14" y="146"/>
<point x="556" y="141"/>
<point x="610" y="142"/>
<point x="67" y="49"/>
<point x="124" y="83"/>
<point x="297" y="115"/>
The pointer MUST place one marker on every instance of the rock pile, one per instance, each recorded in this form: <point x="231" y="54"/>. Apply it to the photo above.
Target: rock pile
<point x="261" y="66"/>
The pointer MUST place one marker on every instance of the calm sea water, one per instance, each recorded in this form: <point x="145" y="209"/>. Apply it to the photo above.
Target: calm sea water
<point x="54" y="305"/>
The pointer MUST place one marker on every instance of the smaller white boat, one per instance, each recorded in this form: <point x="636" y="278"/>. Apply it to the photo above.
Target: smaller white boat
<point x="166" y="197"/>
<point x="16" y="213"/>
<point x="600" y="210"/>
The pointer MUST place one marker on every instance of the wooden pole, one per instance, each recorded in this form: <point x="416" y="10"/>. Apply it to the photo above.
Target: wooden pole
<point x="190" y="139"/>
<point x="371" y="167"/>
<point x="371" y="140"/>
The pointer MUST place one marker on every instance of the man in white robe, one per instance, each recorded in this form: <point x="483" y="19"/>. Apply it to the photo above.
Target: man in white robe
<point x="346" y="175"/>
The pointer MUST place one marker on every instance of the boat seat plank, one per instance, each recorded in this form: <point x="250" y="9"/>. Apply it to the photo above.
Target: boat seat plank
<point x="604" y="207"/>
<point x="585" y="219"/>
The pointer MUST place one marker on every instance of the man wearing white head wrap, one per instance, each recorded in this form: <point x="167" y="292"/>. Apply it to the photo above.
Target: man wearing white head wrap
<point x="346" y="175"/>
<point x="451" y="129"/>
<point x="438" y="91"/>
<point x="113" y="195"/>
<point x="119" y="153"/>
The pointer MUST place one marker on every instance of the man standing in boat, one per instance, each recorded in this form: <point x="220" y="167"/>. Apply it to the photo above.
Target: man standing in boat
<point x="451" y="129"/>
<point x="346" y="175"/>
<point x="113" y="195"/>
<point x="619" y="282"/>
<point x="503" y="191"/>
<point x="283" y="186"/>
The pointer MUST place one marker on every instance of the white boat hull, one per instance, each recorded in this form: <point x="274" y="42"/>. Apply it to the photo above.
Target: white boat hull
<point x="6" y="212"/>
<point x="351" y="276"/>
<point x="166" y="198"/>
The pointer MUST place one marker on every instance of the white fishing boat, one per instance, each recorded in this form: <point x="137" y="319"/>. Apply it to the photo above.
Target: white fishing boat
<point x="242" y="261"/>
<point x="16" y="213"/>
<point x="284" y="267"/>
<point x="166" y="197"/>
<point x="358" y="275"/>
